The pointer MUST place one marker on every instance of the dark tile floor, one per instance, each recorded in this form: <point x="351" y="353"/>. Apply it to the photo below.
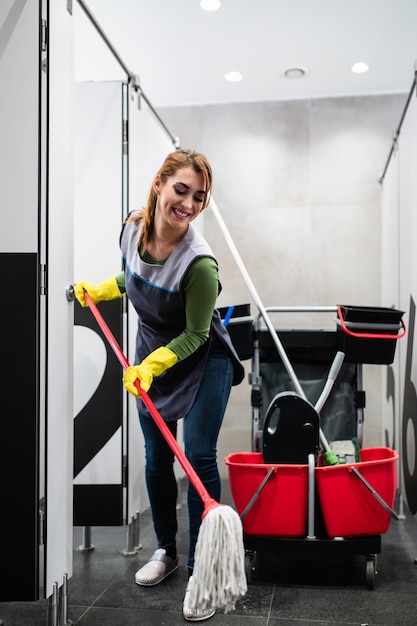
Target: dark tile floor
<point x="286" y="591"/>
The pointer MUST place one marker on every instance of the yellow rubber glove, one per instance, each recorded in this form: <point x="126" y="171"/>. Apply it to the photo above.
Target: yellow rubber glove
<point x="107" y="290"/>
<point x="155" y="364"/>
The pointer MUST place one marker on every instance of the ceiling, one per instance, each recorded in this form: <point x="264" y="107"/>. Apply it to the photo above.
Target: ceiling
<point x="181" y="53"/>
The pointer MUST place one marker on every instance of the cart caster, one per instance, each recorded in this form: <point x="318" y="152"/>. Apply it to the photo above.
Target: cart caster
<point x="370" y="570"/>
<point x="251" y="563"/>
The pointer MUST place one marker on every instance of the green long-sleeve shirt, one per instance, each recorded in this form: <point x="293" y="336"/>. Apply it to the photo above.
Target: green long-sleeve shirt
<point x="200" y="286"/>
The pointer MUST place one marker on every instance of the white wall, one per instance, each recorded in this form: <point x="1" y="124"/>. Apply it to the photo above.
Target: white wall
<point x="399" y="230"/>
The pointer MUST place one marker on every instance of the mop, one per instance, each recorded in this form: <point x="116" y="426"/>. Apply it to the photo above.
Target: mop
<point x="219" y="577"/>
<point x="329" y="454"/>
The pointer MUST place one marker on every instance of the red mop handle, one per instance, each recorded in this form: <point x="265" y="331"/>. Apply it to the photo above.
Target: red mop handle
<point x="208" y="501"/>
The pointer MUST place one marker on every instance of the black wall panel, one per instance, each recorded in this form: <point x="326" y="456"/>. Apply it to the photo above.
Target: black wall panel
<point x="19" y="426"/>
<point x="96" y="423"/>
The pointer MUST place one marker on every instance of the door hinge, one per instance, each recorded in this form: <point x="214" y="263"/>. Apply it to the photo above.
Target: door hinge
<point x="44" y="35"/>
<point x="42" y="279"/>
<point x="124" y="471"/>
<point x="125" y="138"/>
<point x="41" y="513"/>
<point x="44" y="45"/>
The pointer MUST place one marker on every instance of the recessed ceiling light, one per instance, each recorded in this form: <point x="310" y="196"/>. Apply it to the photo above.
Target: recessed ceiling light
<point x="233" y="77"/>
<point x="210" y="5"/>
<point x="295" y="72"/>
<point x="359" y="68"/>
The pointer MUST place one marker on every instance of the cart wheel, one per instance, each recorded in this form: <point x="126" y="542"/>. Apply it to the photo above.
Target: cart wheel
<point x="250" y="565"/>
<point x="370" y="572"/>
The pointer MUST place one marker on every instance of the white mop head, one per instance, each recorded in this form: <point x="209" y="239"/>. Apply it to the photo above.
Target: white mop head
<point x="219" y="578"/>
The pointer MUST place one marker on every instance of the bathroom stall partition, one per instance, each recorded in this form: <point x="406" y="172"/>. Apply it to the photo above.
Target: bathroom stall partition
<point x="119" y="145"/>
<point x="99" y="209"/>
<point x="36" y="255"/>
<point x="41" y="254"/>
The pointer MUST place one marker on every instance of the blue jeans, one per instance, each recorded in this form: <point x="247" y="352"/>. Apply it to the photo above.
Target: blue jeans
<point x="201" y="430"/>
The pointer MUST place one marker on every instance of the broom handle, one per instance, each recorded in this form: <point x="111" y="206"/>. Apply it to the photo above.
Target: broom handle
<point x="168" y="436"/>
<point x="257" y="299"/>
<point x="262" y="311"/>
<point x="258" y="302"/>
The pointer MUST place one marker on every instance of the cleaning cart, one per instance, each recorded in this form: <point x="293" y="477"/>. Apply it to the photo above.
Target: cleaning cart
<point x="292" y="502"/>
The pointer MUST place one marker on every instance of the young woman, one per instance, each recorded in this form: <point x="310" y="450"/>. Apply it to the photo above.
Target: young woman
<point x="184" y="356"/>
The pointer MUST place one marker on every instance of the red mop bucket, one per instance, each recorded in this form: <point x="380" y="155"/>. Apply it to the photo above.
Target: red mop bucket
<point x="280" y="507"/>
<point x="348" y="506"/>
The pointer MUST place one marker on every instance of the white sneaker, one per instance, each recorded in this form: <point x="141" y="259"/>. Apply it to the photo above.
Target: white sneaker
<point x="194" y="615"/>
<point x="156" y="569"/>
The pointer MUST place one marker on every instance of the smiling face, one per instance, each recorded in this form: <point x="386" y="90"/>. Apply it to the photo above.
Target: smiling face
<point x="180" y="198"/>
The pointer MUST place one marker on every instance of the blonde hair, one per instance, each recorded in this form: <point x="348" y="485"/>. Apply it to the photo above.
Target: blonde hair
<point x="173" y="162"/>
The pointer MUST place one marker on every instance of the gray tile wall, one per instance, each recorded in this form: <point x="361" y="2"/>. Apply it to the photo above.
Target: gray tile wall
<point x="297" y="186"/>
